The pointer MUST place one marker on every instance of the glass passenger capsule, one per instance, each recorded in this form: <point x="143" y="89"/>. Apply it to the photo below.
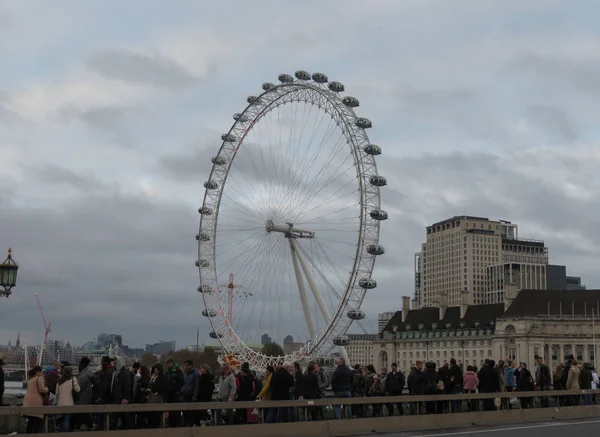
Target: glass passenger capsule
<point x="209" y="313"/>
<point x="341" y="340"/>
<point x="364" y="123"/>
<point x="229" y="138"/>
<point x="378" y="214"/>
<point x="302" y="75"/>
<point x="372" y="149"/>
<point x="320" y="78"/>
<point x="205" y="210"/>
<point x="368" y="283"/>
<point x="267" y="86"/>
<point x="285" y="78"/>
<point x="356" y="314"/>
<point x="378" y="181"/>
<point x="375" y="249"/>
<point x="211" y="185"/>
<point x="336" y="87"/>
<point x="351" y="102"/>
<point x="219" y="160"/>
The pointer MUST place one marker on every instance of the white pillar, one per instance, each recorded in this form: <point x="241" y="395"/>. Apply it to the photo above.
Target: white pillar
<point x="302" y="290"/>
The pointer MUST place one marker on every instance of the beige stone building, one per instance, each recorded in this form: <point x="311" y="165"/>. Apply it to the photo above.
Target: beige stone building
<point x="478" y="255"/>
<point x="360" y="349"/>
<point x="530" y="323"/>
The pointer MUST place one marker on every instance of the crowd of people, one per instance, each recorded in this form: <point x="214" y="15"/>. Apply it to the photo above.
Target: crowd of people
<point x="113" y="383"/>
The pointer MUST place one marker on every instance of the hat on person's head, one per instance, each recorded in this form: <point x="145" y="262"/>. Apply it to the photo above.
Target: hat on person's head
<point x="246" y="367"/>
<point x="394" y="365"/>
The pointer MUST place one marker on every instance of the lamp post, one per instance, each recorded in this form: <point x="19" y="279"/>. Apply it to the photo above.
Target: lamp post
<point x="8" y="274"/>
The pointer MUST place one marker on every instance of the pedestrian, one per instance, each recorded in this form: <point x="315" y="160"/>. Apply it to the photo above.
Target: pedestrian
<point x="67" y="384"/>
<point x="394" y="385"/>
<point x="174" y="383"/>
<point x="206" y="388"/>
<point x="1" y="380"/>
<point x="35" y="397"/>
<point x="341" y="383"/>
<point x="189" y="391"/>
<point x="227" y="392"/>
<point x="543" y="379"/>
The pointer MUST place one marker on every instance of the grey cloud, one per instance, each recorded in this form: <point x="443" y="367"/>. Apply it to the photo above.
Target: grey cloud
<point x="132" y="67"/>
<point x="7" y="115"/>
<point x="194" y="164"/>
<point x="558" y="73"/>
<point x="554" y="121"/>
<point x="113" y="122"/>
<point x="53" y="174"/>
<point x="105" y="260"/>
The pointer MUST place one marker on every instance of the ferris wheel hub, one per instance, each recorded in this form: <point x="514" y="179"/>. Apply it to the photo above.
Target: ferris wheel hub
<point x="288" y="230"/>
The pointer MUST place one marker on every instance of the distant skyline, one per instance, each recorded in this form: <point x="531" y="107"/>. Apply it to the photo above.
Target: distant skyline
<point x="110" y="112"/>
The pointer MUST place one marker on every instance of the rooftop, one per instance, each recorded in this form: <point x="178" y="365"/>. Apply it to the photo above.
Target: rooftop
<point x="459" y="217"/>
<point x="561" y="303"/>
<point x="479" y="316"/>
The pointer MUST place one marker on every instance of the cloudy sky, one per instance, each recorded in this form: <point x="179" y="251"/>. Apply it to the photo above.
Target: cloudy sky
<point x="110" y="112"/>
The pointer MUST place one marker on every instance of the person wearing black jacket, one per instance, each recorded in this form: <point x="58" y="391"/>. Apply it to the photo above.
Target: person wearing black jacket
<point x="488" y="383"/>
<point x="394" y="385"/>
<point x="282" y="382"/>
<point x="525" y="383"/>
<point x="121" y="394"/>
<point x="311" y="390"/>
<point x="102" y="391"/>
<point x="543" y="379"/>
<point x="415" y="385"/>
<point x="453" y="384"/>
<point x="429" y="385"/>
<point x="174" y="384"/>
<point x="341" y="384"/>
<point x="206" y="388"/>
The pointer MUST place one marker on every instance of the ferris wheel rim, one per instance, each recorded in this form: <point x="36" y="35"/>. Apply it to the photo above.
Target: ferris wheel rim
<point x="227" y="336"/>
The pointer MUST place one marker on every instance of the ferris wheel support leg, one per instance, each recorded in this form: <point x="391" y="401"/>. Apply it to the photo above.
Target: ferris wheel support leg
<point x="302" y="290"/>
<point x="313" y="287"/>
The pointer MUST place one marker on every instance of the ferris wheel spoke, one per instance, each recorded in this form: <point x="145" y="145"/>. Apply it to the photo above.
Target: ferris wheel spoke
<point x="241" y="208"/>
<point x="316" y="187"/>
<point x="310" y="161"/>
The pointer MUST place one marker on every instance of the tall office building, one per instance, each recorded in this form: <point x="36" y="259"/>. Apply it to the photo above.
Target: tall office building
<point x="383" y="319"/>
<point x="469" y="260"/>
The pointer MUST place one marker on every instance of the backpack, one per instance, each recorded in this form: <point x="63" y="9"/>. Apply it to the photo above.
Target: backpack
<point x="432" y="386"/>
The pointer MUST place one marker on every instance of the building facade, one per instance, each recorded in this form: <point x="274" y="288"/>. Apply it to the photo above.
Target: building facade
<point x="360" y="350"/>
<point x="458" y="253"/>
<point x="161" y="348"/>
<point x="551" y="324"/>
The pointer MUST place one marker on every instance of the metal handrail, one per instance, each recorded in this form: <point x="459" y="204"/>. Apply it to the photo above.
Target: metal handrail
<point x="192" y="406"/>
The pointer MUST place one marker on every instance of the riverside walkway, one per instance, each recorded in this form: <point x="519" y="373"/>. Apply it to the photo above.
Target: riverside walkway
<point x="553" y="421"/>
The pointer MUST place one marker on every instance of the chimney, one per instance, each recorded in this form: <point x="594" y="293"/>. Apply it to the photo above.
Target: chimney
<point x="405" y="307"/>
<point x="443" y="305"/>
<point x="510" y="293"/>
<point x="464" y="303"/>
<point x="414" y="304"/>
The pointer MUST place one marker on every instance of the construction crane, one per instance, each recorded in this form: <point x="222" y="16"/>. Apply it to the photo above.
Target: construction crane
<point x="231" y="286"/>
<point x="46" y="329"/>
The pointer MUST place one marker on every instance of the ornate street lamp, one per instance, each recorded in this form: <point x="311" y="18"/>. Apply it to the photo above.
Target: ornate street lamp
<point x="8" y="274"/>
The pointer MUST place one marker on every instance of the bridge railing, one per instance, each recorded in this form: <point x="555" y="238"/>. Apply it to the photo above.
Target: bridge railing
<point x="415" y="420"/>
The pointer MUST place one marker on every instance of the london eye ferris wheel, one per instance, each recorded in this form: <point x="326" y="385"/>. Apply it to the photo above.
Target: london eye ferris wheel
<point x="291" y="213"/>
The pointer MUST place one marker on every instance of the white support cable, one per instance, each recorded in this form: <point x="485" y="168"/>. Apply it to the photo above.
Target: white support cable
<point x="313" y="287"/>
<point x="302" y="290"/>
